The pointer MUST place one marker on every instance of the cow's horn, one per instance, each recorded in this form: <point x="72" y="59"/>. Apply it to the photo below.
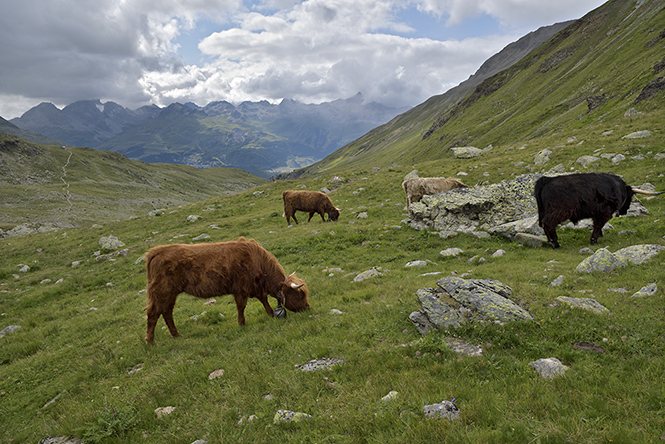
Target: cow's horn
<point x="648" y="193"/>
<point x="294" y="285"/>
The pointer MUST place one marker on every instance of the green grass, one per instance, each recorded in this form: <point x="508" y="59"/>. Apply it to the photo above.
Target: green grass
<point x="80" y="339"/>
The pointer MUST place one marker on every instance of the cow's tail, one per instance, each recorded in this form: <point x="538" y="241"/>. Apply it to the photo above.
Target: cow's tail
<point x="648" y="193"/>
<point x="538" y="194"/>
<point x="148" y="269"/>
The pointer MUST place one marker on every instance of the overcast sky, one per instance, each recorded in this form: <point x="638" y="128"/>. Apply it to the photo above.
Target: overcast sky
<point x="139" y="52"/>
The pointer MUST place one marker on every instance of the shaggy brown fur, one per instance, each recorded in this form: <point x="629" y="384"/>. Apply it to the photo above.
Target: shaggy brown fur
<point x="418" y="187"/>
<point x="310" y="202"/>
<point x="242" y="268"/>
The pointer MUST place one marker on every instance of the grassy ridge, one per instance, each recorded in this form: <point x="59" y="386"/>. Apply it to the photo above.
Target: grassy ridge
<point x="80" y="185"/>
<point x="80" y="339"/>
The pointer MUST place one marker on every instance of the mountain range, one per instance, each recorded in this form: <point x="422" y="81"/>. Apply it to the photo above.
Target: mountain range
<point x="258" y="137"/>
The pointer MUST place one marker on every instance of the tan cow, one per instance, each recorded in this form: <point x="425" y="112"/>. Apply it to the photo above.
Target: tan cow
<point x="242" y="268"/>
<point x="418" y="187"/>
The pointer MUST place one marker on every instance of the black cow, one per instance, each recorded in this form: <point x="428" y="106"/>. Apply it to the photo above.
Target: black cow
<point x="581" y="196"/>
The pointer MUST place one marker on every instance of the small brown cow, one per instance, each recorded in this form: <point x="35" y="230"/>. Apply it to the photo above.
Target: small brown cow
<point x="242" y="268"/>
<point x="418" y="187"/>
<point x="310" y="202"/>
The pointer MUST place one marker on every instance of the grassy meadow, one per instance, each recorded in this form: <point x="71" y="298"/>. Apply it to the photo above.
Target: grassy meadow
<point x="78" y="365"/>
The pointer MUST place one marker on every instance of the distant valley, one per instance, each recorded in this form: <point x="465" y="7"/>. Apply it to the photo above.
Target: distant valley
<point x="258" y="137"/>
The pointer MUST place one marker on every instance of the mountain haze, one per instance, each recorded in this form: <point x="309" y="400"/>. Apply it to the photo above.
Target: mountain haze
<point x="258" y="137"/>
<point x="589" y="73"/>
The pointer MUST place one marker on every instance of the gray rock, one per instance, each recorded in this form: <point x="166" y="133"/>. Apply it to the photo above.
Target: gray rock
<point x="647" y="290"/>
<point x="587" y="161"/>
<point x="444" y="409"/>
<point x="466" y="152"/>
<point x="10" y="329"/>
<point x="289" y="416"/>
<point x="110" y="243"/>
<point x="372" y="272"/>
<point x="462" y="347"/>
<point x="412" y="175"/>
<point x="416" y="264"/>
<point x="549" y="367"/>
<point x="584" y="303"/>
<point x="601" y="261"/>
<point x="542" y="157"/>
<point x="618" y="158"/>
<point x="450" y="252"/>
<point x="638" y="254"/>
<point x="556" y="282"/>
<point x="60" y="440"/>
<point x="638" y="135"/>
<point x="319" y="364"/>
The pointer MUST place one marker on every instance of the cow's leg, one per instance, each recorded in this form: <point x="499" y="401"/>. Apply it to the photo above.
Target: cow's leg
<point x="311" y="213"/>
<point x="550" y="232"/>
<point x="168" y="318"/>
<point x="598" y="224"/>
<point x="241" y="303"/>
<point x="266" y="305"/>
<point x="294" y="218"/>
<point x="322" y="214"/>
<point x="153" y="316"/>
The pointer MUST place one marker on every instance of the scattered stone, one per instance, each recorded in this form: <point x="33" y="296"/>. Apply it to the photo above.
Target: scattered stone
<point x="201" y="237"/>
<point x="632" y="113"/>
<point x="45" y="281"/>
<point x="638" y="135"/>
<point x="648" y="290"/>
<point x="372" y="272"/>
<point x="10" y="329"/>
<point x="498" y="253"/>
<point x="200" y="441"/>
<point x="362" y="215"/>
<point x="23" y="268"/>
<point x="584" y="303"/>
<point x="416" y="264"/>
<point x="244" y="419"/>
<point x="110" y="243"/>
<point x="462" y="347"/>
<point x="444" y="409"/>
<point x="542" y="157"/>
<point x="549" y="367"/>
<point x="558" y="281"/>
<point x="618" y="158"/>
<point x="336" y="311"/>
<point x="77" y="263"/>
<point x="164" y="411"/>
<point x="466" y="152"/>
<point x="412" y="175"/>
<point x="136" y="369"/>
<point x="588" y="346"/>
<point x="451" y="252"/>
<point x="289" y="416"/>
<point x="587" y="161"/>
<point x="60" y="440"/>
<point x="618" y="290"/>
<point x="602" y="260"/>
<point x="319" y="364"/>
<point x="638" y="254"/>
<point x="391" y="396"/>
<point x="216" y="374"/>
<point x="193" y="218"/>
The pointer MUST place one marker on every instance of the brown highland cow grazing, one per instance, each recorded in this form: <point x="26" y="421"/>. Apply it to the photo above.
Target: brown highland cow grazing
<point x="310" y="202"/>
<point x="418" y="187"/>
<point x="242" y="268"/>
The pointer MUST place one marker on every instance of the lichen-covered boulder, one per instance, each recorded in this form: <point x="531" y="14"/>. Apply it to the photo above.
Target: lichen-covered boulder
<point x="647" y="290"/>
<point x="488" y="297"/>
<point x="444" y="409"/>
<point x="638" y="254"/>
<point x="434" y="312"/>
<point x="602" y="260"/>
<point x="542" y="157"/>
<point x="478" y="208"/>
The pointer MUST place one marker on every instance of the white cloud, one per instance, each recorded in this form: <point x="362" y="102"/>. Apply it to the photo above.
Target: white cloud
<point x="312" y="50"/>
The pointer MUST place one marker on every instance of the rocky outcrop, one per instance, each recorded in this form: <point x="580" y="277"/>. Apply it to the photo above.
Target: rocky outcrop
<point x="456" y="301"/>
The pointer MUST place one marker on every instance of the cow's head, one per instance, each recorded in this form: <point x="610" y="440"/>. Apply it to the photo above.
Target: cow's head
<point x="295" y="293"/>
<point x="333" y="214"/>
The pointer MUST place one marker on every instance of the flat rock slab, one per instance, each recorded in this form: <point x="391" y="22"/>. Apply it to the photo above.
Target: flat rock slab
<point x="444" y="409"/>
<point x="319" y="364"/>
<point x="584" y="303"/>
<point x="289" y="416"/>
<point x="588" y="346"/>
<point x="462" y="347"/>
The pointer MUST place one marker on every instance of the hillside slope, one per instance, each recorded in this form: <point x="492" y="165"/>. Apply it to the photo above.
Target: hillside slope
<point x="589" y="73"/>
<point x="41" y="183"/>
